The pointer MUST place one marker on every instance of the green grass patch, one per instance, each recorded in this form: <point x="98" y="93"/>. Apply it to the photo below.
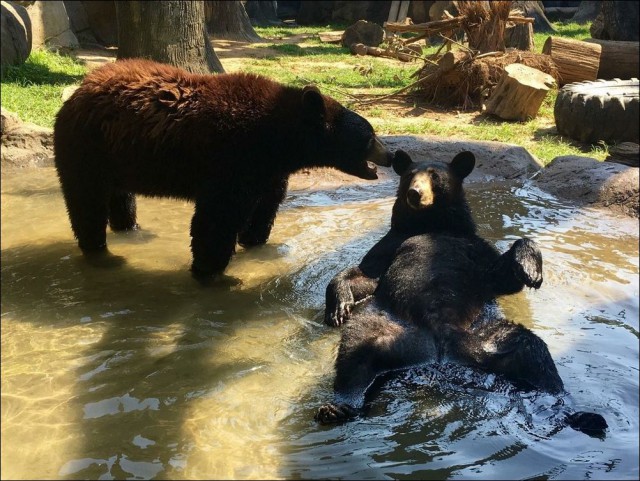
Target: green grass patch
<point x="34" y="89"/>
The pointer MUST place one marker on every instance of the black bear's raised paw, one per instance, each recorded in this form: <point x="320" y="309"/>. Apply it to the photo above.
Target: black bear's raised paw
<point x="332" y="413"/>
<point x="589" y="423"/>
<point x="527" y="262"/>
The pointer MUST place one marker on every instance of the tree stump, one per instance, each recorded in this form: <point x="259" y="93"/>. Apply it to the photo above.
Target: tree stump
<point x="519" y="93"/>
<point x="576" y="60"/>
<point x="519" y="36"/>
<point x="618" y="59"/>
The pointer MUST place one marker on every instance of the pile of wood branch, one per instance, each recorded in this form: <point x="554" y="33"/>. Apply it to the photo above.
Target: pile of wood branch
<point x="464" y="77"/>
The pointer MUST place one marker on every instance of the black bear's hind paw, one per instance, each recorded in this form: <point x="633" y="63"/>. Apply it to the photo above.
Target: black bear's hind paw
<point x="332" y="413"/>
<point x="528" y="263"/>
<point x="589" y="423"/>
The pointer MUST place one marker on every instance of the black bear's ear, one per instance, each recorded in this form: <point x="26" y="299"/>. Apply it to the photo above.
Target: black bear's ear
<point x="401" y="162"/>
<point x="312" y="103"/>
<point x="463" y="163"/>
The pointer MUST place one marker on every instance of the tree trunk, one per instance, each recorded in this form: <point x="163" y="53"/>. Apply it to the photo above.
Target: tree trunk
<point x="618" y="59"/>
<point x="170" y="32"/>
<point x="519" y="93"/>
<point x="576" y="60"/>
<point x="541" y="23"/>
<point x="263" y="13"/>
<point x="616" y="21"/>
<point x="587" y="11"/>
<point x="228" y="20"/>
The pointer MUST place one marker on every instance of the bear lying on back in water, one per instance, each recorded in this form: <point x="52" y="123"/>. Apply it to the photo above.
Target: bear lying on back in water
<point x="433" y="283"/>
<point x="228" y="142"/>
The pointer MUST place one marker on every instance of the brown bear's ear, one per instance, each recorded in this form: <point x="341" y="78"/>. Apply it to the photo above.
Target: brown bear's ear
<point x="312" y="104"/>
<point x="401" y="162"/>
<point x="463" y="163"/>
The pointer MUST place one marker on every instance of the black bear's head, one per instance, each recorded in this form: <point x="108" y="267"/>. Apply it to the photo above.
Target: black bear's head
<point x="340" y="137"/>
<point x="430" y="195"/>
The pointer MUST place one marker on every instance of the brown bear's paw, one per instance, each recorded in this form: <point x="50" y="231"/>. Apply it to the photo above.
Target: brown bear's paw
<point x="332" y="413"/>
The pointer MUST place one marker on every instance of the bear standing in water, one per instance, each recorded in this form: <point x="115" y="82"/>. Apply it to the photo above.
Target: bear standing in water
<point x="228" y="142"/>
<point x="433" y="283"/>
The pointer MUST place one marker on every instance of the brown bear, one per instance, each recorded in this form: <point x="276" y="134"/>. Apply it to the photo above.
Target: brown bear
<point x="228" y="142"/>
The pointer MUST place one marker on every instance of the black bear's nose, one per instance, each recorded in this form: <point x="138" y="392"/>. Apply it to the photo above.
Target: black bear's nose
<point x="413" y="197"/>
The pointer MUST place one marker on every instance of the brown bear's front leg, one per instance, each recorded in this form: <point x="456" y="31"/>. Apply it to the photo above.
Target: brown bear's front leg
<point x="122" y="211"/>
<point x="214" y="229"/>
<point x="258" y="228"/>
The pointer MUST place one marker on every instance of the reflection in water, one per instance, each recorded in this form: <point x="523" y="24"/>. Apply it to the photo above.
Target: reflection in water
<point x="133" y="370"/>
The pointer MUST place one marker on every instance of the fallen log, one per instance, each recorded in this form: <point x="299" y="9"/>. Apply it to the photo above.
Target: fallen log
<point x="618" y="59"/>
<point x="519" y="93"/>
<point x="576" y="60"/>
<point x="407" y="55"/>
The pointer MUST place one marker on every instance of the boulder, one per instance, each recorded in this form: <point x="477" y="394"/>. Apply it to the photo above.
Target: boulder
<point x="588" y="182"/>
<point x="16" y="34"/>
<point x="79" y="21"/>
<point x="24" y="144"/>
<point x="50" y="25"/>
<point x="367" y="33"/>
<point x="102" y="21"/>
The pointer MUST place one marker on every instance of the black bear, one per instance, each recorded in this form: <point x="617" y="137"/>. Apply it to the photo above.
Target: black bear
<point x="228" y="142"/>
<point x="430" y="287"/>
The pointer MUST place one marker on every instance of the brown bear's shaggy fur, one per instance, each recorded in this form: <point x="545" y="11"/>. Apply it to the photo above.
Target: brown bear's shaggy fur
<point x="228" y="142"/>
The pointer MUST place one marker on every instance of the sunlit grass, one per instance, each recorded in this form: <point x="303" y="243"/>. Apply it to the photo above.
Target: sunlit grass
<point x="34" y="90"/>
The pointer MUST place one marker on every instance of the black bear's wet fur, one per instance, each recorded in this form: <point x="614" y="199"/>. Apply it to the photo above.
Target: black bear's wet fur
<point x="429" y="288"/>
<point x="228" y="142"/>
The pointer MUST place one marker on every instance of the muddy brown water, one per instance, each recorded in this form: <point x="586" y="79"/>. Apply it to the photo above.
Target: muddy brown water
<point x="132" y="370"/>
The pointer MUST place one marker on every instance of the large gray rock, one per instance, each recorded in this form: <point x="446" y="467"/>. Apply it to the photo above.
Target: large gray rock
<point x="588" y="182"/>
<point x="494" y="160"/>
<point x="24" y="144"/>
<point x="50" y="25"/>
<point x="103" y="22"/>
<point x="15" y="26"/>
<point x="79" y="21"/>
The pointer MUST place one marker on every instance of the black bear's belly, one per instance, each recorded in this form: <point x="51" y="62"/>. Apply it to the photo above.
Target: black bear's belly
<point x="436" y="278"/>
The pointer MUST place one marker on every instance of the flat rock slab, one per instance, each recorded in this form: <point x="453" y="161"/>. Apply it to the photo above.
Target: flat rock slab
<point x="588" y="182"/>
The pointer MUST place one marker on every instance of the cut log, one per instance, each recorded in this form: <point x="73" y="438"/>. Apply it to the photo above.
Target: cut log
<point x="407" y="55"/>
<point x="331" y="37"/>
<point x="519" y="93"/>
<point x="576" y="60"/>
<point x="618" y="59"/>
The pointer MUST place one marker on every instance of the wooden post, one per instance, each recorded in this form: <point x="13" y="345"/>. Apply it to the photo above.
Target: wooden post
<point x="576" y="60"/>
<point x="519" y="93"/>
<point x="393" y="11"/>
<point x="618" y="59"/>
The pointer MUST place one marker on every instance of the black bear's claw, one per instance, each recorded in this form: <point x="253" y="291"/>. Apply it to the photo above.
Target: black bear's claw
<point x="339" y="315"/>
<point x="332" y="413"/>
